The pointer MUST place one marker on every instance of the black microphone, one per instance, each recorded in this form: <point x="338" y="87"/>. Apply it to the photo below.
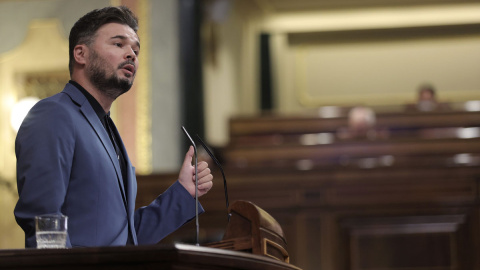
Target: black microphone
<point x="196" y="183"/>
<point x="221" y="169"/>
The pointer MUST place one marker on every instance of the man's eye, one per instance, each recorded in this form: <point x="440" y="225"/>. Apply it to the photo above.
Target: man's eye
<point x="118" y="44"/>
<point x="136" y="52"/>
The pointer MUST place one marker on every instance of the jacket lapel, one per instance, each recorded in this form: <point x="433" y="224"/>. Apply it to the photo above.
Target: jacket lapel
<point x="92" y="118"/>
<point x="131" y="188"/>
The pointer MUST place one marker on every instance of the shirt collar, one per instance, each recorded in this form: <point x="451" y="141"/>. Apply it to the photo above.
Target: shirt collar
<point x="93" y="102"/>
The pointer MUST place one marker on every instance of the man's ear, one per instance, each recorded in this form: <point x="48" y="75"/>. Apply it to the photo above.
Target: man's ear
<point x="80" y="53"/>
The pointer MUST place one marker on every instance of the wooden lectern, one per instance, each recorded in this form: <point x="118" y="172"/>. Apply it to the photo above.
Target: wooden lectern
<point x="165" y="257"/>
<point x="250" y="229"/>
<point x="253" y="230"/>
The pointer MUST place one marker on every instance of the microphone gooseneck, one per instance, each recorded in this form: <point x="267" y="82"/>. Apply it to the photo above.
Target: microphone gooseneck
<point x="196" y="184"/>
<point x="221" y="170"/>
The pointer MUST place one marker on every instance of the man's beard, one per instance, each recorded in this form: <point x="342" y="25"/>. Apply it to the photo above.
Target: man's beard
<point x="112" y="86"/>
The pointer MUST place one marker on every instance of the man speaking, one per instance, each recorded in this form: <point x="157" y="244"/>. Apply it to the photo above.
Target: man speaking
<point x="71" y="159"/>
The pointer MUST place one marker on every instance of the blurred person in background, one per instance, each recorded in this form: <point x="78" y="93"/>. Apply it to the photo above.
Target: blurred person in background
<point x="427" y="100"/>
<point x="361" y="125"/>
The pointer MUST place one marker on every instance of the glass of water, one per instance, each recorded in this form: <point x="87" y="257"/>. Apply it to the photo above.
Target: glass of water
<point x="51" y="231"/>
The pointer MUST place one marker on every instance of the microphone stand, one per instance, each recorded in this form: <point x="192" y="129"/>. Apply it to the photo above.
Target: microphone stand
<point x="196" y="185"/>
<point x="221" y="170"/>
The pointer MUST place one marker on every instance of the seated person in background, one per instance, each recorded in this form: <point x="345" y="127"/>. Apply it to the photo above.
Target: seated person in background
<point x="427" y="101"/>
<point x="361" y="125"/>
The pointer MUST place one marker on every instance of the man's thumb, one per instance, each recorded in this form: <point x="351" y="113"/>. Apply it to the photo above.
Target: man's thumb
<point x="188" y="156"/>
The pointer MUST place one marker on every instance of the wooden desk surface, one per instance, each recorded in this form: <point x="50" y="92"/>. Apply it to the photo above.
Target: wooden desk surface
<point x="177" y="256"/>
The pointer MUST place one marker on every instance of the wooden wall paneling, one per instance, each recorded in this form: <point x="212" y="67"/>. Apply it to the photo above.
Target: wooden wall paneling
<point x="475" y="228"/>
<point x="418" y="242"/>
<point x="301" y="250"/>
<point x="314" y="221"/>
<point x="325" y="239"/>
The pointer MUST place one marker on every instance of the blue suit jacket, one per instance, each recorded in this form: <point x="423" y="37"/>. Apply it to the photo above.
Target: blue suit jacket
<point x="66" y="164"/>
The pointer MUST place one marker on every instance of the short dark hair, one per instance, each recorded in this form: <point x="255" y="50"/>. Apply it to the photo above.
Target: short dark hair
<point x="84" y="30"/>
<point x="427" y="88"/>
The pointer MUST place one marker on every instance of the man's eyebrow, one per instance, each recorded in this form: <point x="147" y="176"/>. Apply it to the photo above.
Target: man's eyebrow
<point x="124" y="38"/>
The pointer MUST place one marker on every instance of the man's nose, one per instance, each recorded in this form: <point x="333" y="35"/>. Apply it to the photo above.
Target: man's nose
<point x="130" y="54"/>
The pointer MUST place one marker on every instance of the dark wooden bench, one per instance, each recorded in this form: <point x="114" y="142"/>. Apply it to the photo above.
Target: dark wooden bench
<point x="277" y="124"/>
